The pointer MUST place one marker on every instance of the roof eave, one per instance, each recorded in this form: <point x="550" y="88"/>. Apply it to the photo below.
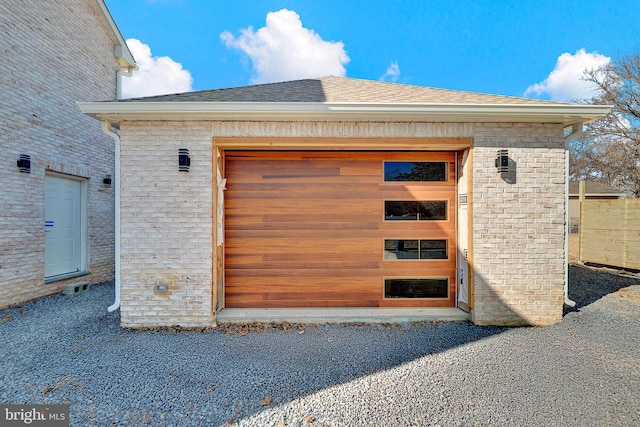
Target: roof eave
<point x="121" y="51"/>
<point x="565" y="114"/>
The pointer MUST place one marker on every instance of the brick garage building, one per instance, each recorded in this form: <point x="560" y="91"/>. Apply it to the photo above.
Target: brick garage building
<point x="57" y="216"/>
<point x="329" y="194"/>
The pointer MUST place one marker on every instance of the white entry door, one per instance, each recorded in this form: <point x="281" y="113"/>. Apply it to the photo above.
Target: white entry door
<point x="63" y="226"/>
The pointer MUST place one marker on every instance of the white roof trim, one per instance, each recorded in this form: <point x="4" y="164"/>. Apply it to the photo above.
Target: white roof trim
<point x="566" y="114"/>
<point x="121" y="50"/>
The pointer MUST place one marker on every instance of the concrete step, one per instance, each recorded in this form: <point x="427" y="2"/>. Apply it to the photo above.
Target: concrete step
<point x="75" y="288"/>
<point x="340" y="315"/>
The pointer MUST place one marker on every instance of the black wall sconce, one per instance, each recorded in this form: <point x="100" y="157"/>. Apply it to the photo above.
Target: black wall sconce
<point x="502" y="161"/>
<point x="183" y="160"/>
<point x="24" y="163"/>
<point x="107" y="181"/>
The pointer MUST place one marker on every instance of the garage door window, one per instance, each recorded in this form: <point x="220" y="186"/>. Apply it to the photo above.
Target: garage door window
<point x="415" y="171"/>
<point x="409" y="210"/>
<point x="399" y="249"/>
<point x="416" y="288"/>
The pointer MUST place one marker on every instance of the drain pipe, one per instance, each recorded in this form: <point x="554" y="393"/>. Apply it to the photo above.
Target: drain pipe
<point x="128" y="72"/>
<point x="576" y="132"/>
<point x="106" y="128"/>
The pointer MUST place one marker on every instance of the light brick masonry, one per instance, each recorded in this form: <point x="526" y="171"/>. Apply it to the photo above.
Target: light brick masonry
<point x="518" y="227"/>
<point x="168" y="216"/>
<point x="167" y="225"/>
<point x="54" y="53"/>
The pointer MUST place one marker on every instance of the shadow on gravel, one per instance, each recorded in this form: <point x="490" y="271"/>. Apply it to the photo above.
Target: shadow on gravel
<point x="69" y="349"/>
<point x="587" y="285"/>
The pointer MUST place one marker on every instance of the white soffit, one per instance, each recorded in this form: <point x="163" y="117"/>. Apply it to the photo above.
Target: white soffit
<point x="565" y="114"/>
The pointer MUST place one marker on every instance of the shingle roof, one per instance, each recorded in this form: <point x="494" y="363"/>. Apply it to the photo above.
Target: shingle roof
<point x="593" y="187"/>
<point x="339" y="89"/>
<point x="341" y="98"/>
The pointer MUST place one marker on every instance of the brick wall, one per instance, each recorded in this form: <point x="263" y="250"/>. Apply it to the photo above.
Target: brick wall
<point x="54" y="53"/>
<point x="166" y="225"/>
<point x="518" y="221"/>
<point x="167" y="216"/>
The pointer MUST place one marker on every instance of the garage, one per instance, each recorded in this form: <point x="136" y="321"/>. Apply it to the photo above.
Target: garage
<point x="304" y="200"/>
<point x="339" y="229"/>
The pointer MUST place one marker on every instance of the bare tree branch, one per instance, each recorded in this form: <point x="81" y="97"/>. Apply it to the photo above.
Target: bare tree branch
<point x="610" y="150"/>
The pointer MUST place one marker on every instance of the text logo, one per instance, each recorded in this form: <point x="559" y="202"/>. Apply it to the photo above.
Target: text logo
<point x="34" y="415"/>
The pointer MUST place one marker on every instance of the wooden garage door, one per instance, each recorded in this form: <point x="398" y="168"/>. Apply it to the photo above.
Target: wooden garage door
<point x="345" y="229"/>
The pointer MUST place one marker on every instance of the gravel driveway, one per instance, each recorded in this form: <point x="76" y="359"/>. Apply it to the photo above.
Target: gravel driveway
<point x="584" y="371"/>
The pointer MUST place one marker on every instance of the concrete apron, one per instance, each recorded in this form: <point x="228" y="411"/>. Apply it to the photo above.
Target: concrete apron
<point x="340" y="315"/>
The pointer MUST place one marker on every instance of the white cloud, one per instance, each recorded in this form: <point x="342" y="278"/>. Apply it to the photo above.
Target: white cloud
<point x="392" y="73"/>
<point x="156" y="76"/>
<point x="285" y="50"/>
<point x="565" y="82"/>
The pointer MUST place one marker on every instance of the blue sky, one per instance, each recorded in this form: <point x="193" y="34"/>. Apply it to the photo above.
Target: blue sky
<point x="499" y="47"/>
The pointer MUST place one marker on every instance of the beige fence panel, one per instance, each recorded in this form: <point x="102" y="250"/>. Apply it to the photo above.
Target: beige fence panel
<point x="610" y="232"/>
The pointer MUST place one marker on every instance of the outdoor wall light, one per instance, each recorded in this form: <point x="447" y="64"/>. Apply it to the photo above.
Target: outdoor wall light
<point x="24" y="163"/>
<point x="502" y="161"/>
<point x="106" y="181"/>
<point x="183" y="160"/>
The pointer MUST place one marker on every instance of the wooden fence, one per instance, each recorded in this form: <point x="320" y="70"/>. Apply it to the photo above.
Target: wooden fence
<point x="610" y="232"/>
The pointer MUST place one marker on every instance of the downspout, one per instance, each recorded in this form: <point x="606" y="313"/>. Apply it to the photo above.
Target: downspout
<point x="576" y="132"/>
<point x="106" y="128"/>
<point x="128" y="72"/>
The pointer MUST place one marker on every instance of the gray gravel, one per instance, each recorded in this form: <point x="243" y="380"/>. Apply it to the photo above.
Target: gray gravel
<point x="583" y="371"/>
